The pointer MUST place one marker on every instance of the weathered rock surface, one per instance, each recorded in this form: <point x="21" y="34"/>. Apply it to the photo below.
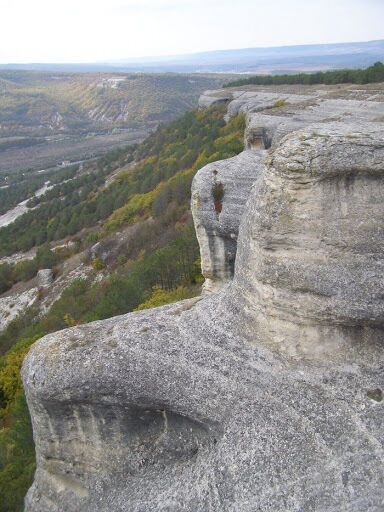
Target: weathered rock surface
<point x="272" y="113"/>
<point x="266" y="395"/>
<point x="13" y="306"/>
<point x="311" y="257"/>
<point x="210" y="98"/>
<point x="45" y="278"/>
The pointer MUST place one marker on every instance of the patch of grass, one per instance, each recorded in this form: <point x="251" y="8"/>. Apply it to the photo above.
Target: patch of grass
<point x="280" y="103"/>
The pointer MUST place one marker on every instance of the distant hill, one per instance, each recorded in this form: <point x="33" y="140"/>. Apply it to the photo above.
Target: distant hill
<point x="284" y="59"/>
<point x="62" y="102"/>
<point x="47" y="117"/>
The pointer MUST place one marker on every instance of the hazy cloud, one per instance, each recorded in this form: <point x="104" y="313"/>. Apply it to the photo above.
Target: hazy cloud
<point x="100" y="30"/>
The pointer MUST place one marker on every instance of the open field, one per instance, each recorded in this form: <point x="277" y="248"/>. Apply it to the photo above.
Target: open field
<point x="52" y="153"/>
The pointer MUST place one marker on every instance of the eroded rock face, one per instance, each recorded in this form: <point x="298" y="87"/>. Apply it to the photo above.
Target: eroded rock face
<point x="11" y="306"/>
<point x="311" y="258"/>
<point x="219" y="193"/>
<point x="266" y="395"/>
<point x="271" y="115"/>
<point x="210" y="98"/>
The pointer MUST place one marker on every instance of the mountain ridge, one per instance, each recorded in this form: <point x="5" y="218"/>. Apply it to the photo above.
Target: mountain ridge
<point x="273" y="59"/>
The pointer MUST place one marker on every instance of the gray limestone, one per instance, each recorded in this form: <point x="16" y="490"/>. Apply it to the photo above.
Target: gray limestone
<point x="45" y="278"/>
<point x="265" y="395"/>
<point x="210" y="98"/>
<point x="12" y="306"/>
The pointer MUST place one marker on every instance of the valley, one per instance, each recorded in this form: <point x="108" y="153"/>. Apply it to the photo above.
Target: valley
<point x="50" y="117"/>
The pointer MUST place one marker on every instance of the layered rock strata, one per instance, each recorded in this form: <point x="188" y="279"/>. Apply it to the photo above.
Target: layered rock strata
<point x="265" y="395"/>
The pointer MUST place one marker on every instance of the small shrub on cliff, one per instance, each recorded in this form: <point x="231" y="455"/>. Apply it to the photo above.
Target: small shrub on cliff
<point x="218" y="196"/>
<point x="98" y="264"/>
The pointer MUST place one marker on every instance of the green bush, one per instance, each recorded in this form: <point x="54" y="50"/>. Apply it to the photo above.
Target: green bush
<point x="160" y="297"/>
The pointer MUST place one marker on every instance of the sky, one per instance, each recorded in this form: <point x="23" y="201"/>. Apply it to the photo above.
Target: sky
<point x="112" y="30"/>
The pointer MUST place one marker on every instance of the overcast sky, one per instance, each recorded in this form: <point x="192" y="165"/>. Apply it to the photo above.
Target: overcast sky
<point x="105" y="30"/>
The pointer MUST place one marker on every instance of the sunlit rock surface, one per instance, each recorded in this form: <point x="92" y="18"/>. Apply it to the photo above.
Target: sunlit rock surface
<point x="266" y="395"/>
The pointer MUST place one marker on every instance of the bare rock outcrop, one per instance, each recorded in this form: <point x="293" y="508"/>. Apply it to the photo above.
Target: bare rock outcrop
<point x="312" y="240"/>
<point x="266" y="395"/>
<point x="210" y="98"/>
<point x="12" y="306"/>
<point x="220" y="190"/>
<point x="45" y="278"/>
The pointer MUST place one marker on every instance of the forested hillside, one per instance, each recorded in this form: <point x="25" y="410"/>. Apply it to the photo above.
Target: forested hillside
<point x="141" y="191"/>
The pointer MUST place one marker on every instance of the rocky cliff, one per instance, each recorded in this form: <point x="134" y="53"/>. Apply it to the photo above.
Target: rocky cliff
<point x="267" y="393"/>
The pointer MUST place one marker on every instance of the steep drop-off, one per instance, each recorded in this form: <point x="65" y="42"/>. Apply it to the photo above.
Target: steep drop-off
<point x="128" y="243"/>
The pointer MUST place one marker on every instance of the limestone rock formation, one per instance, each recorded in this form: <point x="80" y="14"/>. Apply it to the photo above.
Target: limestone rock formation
<point x="266" y="395"/>
<point x="210" y="98"/>
<point x="45" y="278"/>
<point x="11" y="306"/>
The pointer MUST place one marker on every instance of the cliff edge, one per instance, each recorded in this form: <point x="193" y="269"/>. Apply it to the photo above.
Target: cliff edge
<point x="265" y="393"/>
